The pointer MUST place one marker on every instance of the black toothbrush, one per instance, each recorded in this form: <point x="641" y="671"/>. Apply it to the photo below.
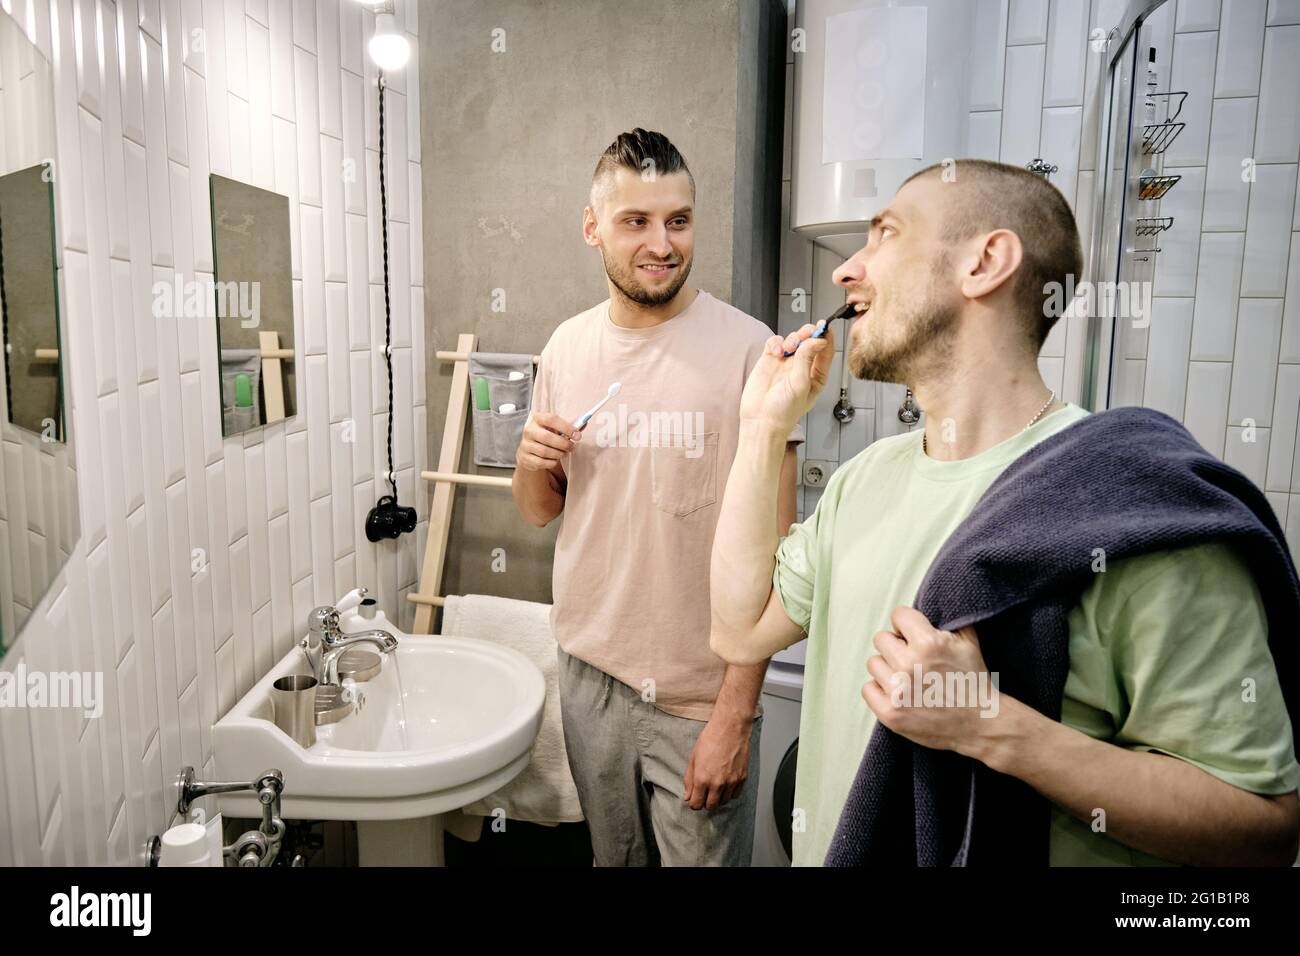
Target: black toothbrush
<point x="843" y="312"/>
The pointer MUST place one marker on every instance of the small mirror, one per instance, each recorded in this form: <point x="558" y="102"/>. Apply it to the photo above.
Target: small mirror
<point x="253" y="286"/>
<point x="39" y="523"/>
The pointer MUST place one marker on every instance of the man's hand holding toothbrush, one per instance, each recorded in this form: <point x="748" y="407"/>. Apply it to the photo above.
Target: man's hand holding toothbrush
<point x="782" y="387"/>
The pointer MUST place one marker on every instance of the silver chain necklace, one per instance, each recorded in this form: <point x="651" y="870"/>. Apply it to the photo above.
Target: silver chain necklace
<point x="1047" y="404"/>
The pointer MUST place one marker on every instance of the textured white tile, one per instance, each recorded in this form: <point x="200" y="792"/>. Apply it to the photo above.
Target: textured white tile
<point x="1232" y="133"/>
<point x="1283" y="12"/>
<point x="354" y="155"/>
<point x="200" y="205"/>
<point x="85" y="28"/>
<point x="236" y="43"/>
<point x="983" y="136"/>
<point x="285" y="149"/>
<point x="182" y="602"/>
<point x="307" y="121"/>
<point x="1193" y="72"/>
<point x="281" y="587"/>
<point x="259" y="104"/>
<point x="304" y="22"/>
<point x="1218" y="279"/>
<point x="1207" y="403"/>
<point x="322" y="550"/>
<point x="1021" y="113"/>
<point x="313" y="282"/>
<point x="258" y="554"/>
<point x="130" y="82"/>
<point x="1060" y="146"/>
<point x="1254" y="365"/>
<point x="416" y="206"/>
<point x="1067" y="49"/>
<point x="258" y="10"/>
<point x="360" y="411"/>
<point x="241" y="134"/>
<point x="1286" y="419"/>
<point x="334" y="238"/>
<point x="173" y="75"/>
<point x="219" y="535"/>
<point x="358" y="282"/>
<point x="150" y="18"/>
<point x="1180" y="245"/>
<point x="1169" y="348"/>
<point x="1197" y="15"/>
<point x="352" y="37"/>
<point x="277" y="470"/>
<point x="1278" y="138"/>
<point x="156" y="153"/>
<point x="1268" y="232"/>
<point x="318" y="437"/>
<point x="327" y="68"/>
<point x="1027" y="22"/>
<point x="263" y="639"/>
<point x="1246" y="449"/>
<point x="336" y="321"/>
<point x="194" y="52"/>
<point x="241" y="600"/>
<point x="1291" y="310"/>
<point x="341" y="490"/>
<point x="282" y="56"/>
<point x="1241" y="39"/>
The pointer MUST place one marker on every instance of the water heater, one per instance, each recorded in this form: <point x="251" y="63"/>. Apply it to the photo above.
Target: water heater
<point x="881" y="90"/>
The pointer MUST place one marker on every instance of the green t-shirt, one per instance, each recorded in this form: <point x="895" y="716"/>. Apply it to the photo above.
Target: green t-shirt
<point x="1162" y="646"/>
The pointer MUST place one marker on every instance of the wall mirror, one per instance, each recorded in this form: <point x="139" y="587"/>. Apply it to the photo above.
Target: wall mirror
<point x="253" y="287"/>
<point x="39" y="521"/>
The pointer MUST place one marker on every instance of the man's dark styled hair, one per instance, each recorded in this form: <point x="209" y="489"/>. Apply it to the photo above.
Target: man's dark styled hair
<point x="986" y="196"/>
<point x="642" y="151"/>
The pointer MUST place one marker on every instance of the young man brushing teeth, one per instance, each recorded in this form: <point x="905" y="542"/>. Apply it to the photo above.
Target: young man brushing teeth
<point x="1132" y="595"/>
<point x="662" y="735"/>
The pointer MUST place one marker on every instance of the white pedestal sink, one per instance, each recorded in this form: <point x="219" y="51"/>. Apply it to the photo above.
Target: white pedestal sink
<point x="448" y="721"/>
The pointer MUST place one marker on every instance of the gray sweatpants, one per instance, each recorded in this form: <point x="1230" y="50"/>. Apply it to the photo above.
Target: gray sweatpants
<point x="628" y="759"/>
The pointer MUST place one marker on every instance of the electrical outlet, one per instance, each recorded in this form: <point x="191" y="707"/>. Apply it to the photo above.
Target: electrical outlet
<point x="817" y="473"/>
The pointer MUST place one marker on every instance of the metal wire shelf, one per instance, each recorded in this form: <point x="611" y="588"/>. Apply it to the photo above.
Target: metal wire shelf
<point x="1154" y="187"/>
<point x="1152" y="226"/>
<point x="1157" y="137"/>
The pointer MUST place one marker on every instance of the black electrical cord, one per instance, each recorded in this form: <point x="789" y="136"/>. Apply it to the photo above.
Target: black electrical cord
<point x="388" y="309"/>
<point x="4" y="317"/>
<point x="387" y="519"/>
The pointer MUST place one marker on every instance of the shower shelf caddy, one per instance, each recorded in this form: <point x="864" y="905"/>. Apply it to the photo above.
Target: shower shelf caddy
<point x="1157" y="137"/>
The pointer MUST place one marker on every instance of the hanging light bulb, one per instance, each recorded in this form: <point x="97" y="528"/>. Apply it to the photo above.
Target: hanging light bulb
<point x="389" y="47"/>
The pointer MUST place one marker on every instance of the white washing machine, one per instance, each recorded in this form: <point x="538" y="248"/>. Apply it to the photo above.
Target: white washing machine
<point x="778" y="748"/>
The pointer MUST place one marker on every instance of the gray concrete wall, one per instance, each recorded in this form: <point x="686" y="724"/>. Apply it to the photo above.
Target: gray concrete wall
<point x="509" y="141"/>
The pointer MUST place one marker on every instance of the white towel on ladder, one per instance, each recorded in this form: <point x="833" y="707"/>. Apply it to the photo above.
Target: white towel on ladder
<point x="544" y="791"/>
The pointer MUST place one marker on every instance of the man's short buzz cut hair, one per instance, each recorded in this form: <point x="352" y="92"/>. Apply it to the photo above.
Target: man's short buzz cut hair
<point x="642" y="151"/>
<point x="986" y="196"/>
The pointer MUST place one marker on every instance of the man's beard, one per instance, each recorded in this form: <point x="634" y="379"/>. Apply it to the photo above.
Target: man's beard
<point x="627" y="282"/>
<point x="925" y="343"/>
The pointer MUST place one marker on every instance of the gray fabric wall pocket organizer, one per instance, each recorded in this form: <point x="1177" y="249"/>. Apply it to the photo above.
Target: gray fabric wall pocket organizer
<point x="496" y="433"/>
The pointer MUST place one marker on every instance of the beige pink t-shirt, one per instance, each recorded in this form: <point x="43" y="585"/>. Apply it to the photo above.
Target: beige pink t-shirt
<point x="631" y="575"/>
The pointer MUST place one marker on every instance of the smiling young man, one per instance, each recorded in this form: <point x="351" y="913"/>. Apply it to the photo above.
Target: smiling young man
<point x="1173" y="741"/>
<point x="662" y="735"/>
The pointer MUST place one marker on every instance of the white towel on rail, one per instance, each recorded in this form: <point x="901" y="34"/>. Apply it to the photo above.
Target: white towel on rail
<point x="544" y="791"/>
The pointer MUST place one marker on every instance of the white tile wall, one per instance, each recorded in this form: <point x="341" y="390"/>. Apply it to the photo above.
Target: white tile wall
<point x="276" y="95"/>
<point x="1223" y="345"/>
<point x="1233" y="246"/>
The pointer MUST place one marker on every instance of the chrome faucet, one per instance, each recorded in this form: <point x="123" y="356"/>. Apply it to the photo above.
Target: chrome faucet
<point x="325" y="643"/>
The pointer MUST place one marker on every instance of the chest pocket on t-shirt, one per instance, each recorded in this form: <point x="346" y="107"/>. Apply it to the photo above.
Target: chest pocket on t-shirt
<point x="684" y="477"/>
